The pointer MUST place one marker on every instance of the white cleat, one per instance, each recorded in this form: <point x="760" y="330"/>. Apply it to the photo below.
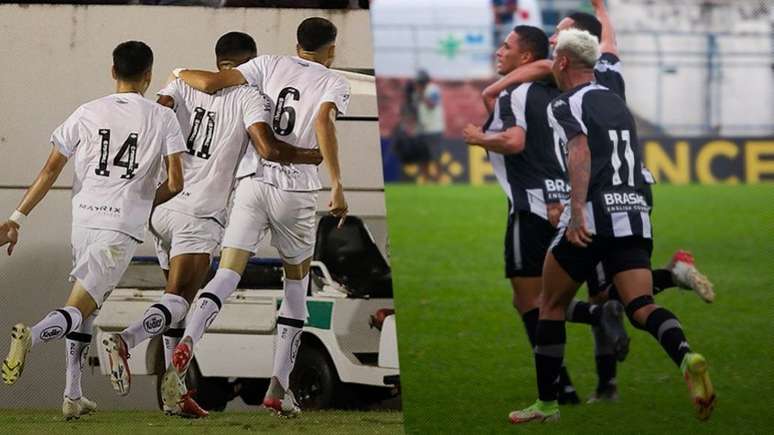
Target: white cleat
<point x="686" y="276"/>
<point x="74" y="409"/>
<point x="173" y="389"/>
<point x="118" y="360"/>
<point x="281" y="401"/>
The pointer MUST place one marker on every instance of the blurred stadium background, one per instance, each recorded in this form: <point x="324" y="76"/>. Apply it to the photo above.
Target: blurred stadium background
<point x="699" y="74"/>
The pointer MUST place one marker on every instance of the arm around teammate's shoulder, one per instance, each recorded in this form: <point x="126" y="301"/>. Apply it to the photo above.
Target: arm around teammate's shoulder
<point x="532" y="72"/>
<point x="272" y="149"/>
<point x="211" y="82"/>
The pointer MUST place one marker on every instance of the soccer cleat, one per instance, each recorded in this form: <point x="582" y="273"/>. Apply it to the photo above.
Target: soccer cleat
<point x="21" y="342"/>
<point x="282" y="401"/>
<point x="686" y="276"/>
<point x="612" y="325"/>
<point x="118" y="360"/>
<point x="696" y="374"/>
<point x="186" y="407"/>
<point x="172" y="388"/>
<point x="541" y="412"/>
<point x="181" y="357"/>
<point x="74" y="409"/>
<point x="607" y="394"/>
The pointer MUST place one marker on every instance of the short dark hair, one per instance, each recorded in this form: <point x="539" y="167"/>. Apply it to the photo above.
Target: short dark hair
<point x="132" y="59"/>
<point x="534" y="40"/>
<point x="314" y="33"/>
<point x="235" y="45"/>
<point x="587" y="22"/>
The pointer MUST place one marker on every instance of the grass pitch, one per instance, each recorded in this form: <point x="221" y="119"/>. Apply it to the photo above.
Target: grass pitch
<point x="465" y="361"/>
<point x="155" y="423"/>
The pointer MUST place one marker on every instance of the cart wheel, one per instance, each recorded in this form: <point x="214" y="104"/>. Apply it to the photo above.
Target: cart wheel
<point x="314" y="379"/>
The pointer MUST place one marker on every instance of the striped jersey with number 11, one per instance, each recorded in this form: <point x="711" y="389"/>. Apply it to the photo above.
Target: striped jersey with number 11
<point x="618" y="199"/>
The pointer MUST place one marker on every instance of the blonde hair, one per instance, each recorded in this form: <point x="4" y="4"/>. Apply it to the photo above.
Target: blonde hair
<point x="579" y="45"/>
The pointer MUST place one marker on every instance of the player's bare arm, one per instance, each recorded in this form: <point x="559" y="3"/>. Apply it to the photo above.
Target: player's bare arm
<point x="531" y="72"/>
<point x="510" y="141"/>
<point x="174" y="184"/>
<point x="37" y="191"/>
<point x="270" y="148"/>
<point x="579" y="171"/>
<point x="325" y="129"/>
<point x="166" y="101"/>
<point x="607" y="44"/>
<point x="211" y="82"/>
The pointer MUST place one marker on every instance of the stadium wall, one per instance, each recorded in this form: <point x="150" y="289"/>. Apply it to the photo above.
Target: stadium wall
<point x="58" y="57"/>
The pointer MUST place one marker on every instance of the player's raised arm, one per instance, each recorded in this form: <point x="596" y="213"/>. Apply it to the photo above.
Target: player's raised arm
<point x="211" y="82"/>
<point x="510" y="141"/>
<point x="531" y="72"/>
<point x="607" y="43"/>
<point x="36" y="192"/>
<point x="325" y="129"/>
<point x="270" y="148"/>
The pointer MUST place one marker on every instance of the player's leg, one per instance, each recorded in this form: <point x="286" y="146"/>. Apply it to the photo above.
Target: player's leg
<point x="565" y="267"/>
<point x="75" y="403"/>
<point x="633" y="279"/>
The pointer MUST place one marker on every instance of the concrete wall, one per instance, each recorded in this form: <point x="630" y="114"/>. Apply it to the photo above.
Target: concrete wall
<point x="57" y="57"/>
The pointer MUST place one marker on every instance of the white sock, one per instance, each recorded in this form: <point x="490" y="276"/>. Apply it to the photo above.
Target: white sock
<point x="171" y="338"/>
<point x="56" y="325"/>
<point x="290" y="325"/>
<point x="210" y="300"/>
<point x="169" y="310"/>
<point x="76" y="348"/>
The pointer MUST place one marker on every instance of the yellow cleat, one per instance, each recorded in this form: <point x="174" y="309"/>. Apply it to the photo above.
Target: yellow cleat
<point x="696" y="374"/>
<point x="21" y="342"/>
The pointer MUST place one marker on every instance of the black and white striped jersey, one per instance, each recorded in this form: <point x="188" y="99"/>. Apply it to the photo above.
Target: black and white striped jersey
<point x="619" y="200"/>
<point x="534" y="176"/>
<point x="607" y="73"/>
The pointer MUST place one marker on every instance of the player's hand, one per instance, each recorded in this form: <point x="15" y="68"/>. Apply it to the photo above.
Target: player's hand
<point x="554" y="211"/>
<point x="598" y="4"/>
<point x="338" y="204"/>
<point x="577" y="233"/>
<point x="9" y="235"/>
<point x="471" y="134"/>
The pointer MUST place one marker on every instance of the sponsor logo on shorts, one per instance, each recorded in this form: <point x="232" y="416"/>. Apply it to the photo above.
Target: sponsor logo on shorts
<point x="624" y="202"/>
<point x="101" y="209"/>
<point x="153" y="323"/>
<point x="51" y="332"/>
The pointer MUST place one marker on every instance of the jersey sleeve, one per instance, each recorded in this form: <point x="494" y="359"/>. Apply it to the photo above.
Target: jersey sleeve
<point x="257" y="108"/>
<point x="567" y="121"/>
<point x="67" y="136"/>
<point x="607" y="73"/>
<point x="252" y="70"/>
<point x="173" y="136"/>
<point x="339" y="94"/>
<point x="173" y="89"/>
<point x="519" y="106"/>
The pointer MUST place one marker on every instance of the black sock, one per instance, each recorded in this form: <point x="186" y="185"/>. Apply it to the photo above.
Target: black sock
<point x="663" y="325"/>
<point x="565" y="383"/>
<point x="583" y="312"/>
<point x="662" y="280"/>
<point x="530" y="319"/>
<point x="549" y="353"/>
<point x="605" y="358"/>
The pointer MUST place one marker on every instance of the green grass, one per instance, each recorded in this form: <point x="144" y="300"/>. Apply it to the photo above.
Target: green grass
<point x="465" y="361"/>
<point x="155" y="423"/>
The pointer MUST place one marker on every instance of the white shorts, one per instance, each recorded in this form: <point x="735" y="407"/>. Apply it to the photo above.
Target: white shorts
<point x="100" y="258"/>
<point x="177" y="233"/>
<point x="260" y="208"/>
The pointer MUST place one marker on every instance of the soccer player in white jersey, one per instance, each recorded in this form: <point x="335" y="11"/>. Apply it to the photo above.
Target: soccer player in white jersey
<point x="120" y="144"/>
<point x="282" y="199"/>
<point x="188" y="228"/>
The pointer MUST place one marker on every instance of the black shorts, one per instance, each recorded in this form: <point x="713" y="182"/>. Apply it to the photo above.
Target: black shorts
<point x="527" y="239"/>
<point x="615" y="254"/>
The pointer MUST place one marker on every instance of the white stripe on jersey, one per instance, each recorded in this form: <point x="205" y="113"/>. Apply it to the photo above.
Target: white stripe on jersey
<point x="537" y="202"/>
<point x="590" y="222"/>
<point x="621" y="225"/>
<point x="497" y="161"/>
<point x="519" y="104"/>
<point x="646" y="230"/>
<point x="576" y="104"/>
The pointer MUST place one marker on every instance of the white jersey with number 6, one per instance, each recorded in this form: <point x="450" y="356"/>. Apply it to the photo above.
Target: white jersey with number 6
<point x="216" y="130"/>
<point x="297" y="88"/>
<point x="119" y="142"/>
